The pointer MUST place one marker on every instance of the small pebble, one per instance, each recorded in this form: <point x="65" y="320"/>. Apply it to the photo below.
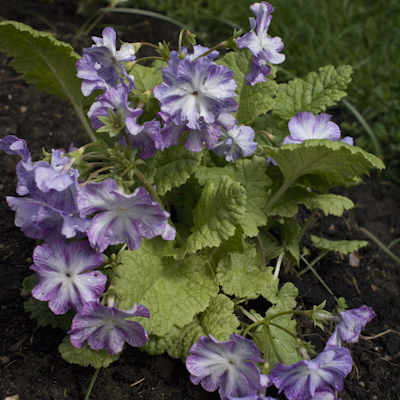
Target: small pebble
<point x="23" y="109"/>
<point x="362" y="384"/>
<point x="374" y="397"/>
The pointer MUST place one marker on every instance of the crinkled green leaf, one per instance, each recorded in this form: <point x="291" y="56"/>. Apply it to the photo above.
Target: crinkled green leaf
<point x="216" y="215"/>
<point x="159" y="345"/>
<point x="316" y="93"/>
<point x="217" y="320"/>
<point x="43" y="60"/>
<point x="175" y="165"/>
<point x="85" y="356"/>
<point x="251" y="173"/>
<point x="30" y="282"/>
<point x="286" y="295"/>
<point x="234" y="244"/>
<point x="145" y="77"/>
<point x="252" y="100"/>
<point x="323" y="162"/>
<point x="342" y="246"/>
<point x="285" y="343"/>
<point x="40" y="311"/>
<point x="240" y="275"/>
<point x="331" y="204"/>
<point x="213" y="174"/>
<point x="173" y="291"/>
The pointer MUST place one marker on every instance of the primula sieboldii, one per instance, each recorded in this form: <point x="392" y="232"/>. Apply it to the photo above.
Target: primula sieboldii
<point x="108" y="60"/>
<point x="65" y="274"/>
<point x="306" y="125"/>
<point x="120" y="218"/>
<point x="229" y="366"/>
<point x="301" y="381"/>
<point x="49" y="212"/>
<point x="350" y="324"/>
<point x="194" y="94"/>
<point x="264" y="48"/>
<point x="235" y="143"/>
<point x="352" y="321"/>
<point x="106" y="327"/>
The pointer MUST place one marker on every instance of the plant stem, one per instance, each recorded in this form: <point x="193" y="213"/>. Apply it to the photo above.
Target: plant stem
<point x="319" y="278"/>
<point x="307" y="224"/>
<point x="91" y="384"/>
<point x="316" y="259"/>
<point x="278" y="265"/>
<point x="273" y="344"/>
<point x="277" y="195"/>
<point x="283" y="329"/>
<point x="380" y="244"/>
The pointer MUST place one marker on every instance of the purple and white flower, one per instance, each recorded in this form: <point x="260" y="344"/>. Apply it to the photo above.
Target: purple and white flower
<point x="235" y="143"/>
<point x="115" y="99"/>
<point x="62" y="270"/>
<point x="120" y="218"/>
<point x="104" y="54"/>
<point x="106" y="327"/>
<point x="229" y="366"/>
<point x="305" y="125"/>
<point x="14" y="146"/>
<point x="195" y="92"/>
<point x="352" y="321"/>
<point x="87" y="70"/>
<point x="304" y="379"/>
<point x="264" y="48"/>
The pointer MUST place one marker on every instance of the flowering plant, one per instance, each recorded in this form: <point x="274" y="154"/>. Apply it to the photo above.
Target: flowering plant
<point x="178" y="214"/>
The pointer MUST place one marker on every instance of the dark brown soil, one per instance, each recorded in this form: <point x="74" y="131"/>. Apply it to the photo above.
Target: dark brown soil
<point x="30" y="364"/>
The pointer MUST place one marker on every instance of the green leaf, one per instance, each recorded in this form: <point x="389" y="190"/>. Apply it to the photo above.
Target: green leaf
<point x="319" y="91"/>
<point x="159" y="345"/>
<point x="216" y="215"/>
<point x="271" y="249"/>
<point x="173" y="291"/>
<point x="252" y="100"/>
<point x="217" y="320"/>
<point x="286" y="295"/>
<point x="331" y="204"/>
<point x="40" y="311"/>
<point x="213" y="174"/>
<point x="286" y="344"/>
<point x="240" y="274"/>
<point x="145" y="77"/>
<point x="235" y="243"/>
<point x="46" y="62"/>
<point x="30" y="282"/>
<point x="85" y="356"/>
<point x="175" y="165"/>
<point x="322" y="162"/>
<point x="253" y="177"/>
<point x="342" y="246"/>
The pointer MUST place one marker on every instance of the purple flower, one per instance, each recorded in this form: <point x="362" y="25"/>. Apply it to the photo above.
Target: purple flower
<point x="305" y="125"/>
<point x="302" y="380"/>
<point x="264" y="48"/>
<point x="13" y="145"/>
<point x="64" y="282"/>
<point x="39" y="221"/>
<point x="195" y="92"/>
<point x="265" y="381"/>
<point x="228" y="365"/>
<point x="121" y="218"/>
<point x="115" y="99"/>
<point x="352" y="321"/>
<point x="87" y="70"/>
<point x="105" y="54"/>
<point x="147" y="136"/>
<point x="235" y="143"/>
<point x="105" y="327"/>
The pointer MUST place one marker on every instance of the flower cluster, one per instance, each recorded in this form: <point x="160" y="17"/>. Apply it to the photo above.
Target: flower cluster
<point x="231" y="366"/>
<point x="264" y="48"/>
